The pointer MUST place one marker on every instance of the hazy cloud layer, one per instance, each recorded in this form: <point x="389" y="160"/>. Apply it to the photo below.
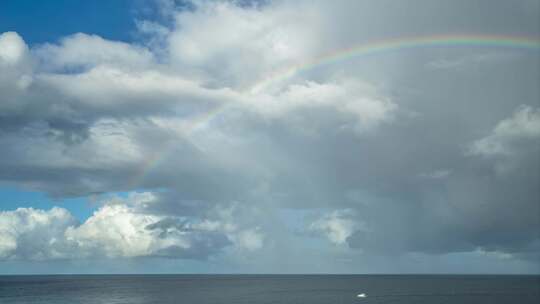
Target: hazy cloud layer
<point x="426" y="151"/>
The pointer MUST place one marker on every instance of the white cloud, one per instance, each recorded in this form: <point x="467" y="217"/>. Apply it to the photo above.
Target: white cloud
<point x="117" y="231"/>
<point x="356" y="105"/>
<point x="510" y="134"/>
<point x="13" y="50"/>
<point x="122" y="227"/>
<point x="121" y="93"/>
<point x="28" y="233"/>
<point x="82" y="51"/>
<point x="228" y="219"/>
<point x="249" y="239"/>
<point x="15" y="66"/>
<point x="234" y="46"/>
<point x="337" y="226"/>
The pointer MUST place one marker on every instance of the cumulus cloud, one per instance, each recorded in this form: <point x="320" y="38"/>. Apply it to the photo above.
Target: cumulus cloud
<point x="216" y="32"/>
<point x="81" y="51"/>
<point x="16" y="66"/>
<point x="122" y="227"/>
<point x="28" y="233"/>
<point x="337" y="226"/>
<point x="14" y="50"/>
<point x="511" y="134"/>
<point x="357" y="106"/>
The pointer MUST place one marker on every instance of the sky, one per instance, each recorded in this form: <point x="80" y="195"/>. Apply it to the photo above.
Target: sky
<point x="163" y="136"/>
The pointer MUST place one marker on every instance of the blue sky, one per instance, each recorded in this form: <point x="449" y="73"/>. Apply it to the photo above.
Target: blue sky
<point x="214" y="136"/>
<point x="13" y="198"/>
<point x="47" y="21"/>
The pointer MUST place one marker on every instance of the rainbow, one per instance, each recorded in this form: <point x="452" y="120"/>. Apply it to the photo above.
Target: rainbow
<point x="399" y="44"/>
<point x="377" y="47"/>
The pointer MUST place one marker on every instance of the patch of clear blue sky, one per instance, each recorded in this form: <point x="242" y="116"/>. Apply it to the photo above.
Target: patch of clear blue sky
<point x="12" y="198"/>
<point x="46" y="21"/>
<point x="81" y="208"/>
<point x="40" y="21"/>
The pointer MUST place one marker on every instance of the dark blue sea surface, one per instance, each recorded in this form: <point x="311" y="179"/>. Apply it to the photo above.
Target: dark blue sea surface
<point x="253" y="289"/>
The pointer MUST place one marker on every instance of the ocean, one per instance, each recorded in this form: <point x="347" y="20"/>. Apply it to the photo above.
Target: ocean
<point x="254" y="289"/>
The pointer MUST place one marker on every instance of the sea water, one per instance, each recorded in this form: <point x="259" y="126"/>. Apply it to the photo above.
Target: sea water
<point x="253" y="289"/>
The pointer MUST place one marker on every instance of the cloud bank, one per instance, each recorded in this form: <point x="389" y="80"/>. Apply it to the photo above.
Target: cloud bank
<point x="402" y="157"/>
<point x="121" y="228"/>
